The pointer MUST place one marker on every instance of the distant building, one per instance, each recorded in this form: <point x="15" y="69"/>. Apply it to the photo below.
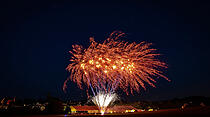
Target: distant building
<point x="84" y="109"/>
<point x="95" y="110"/>
<point x="121" y="109"/>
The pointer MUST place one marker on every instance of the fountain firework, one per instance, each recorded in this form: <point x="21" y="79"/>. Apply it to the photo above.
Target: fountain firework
<point x="103" y="100"/>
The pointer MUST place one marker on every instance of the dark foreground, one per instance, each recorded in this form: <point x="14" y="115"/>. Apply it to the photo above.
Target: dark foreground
<point x="195" y="112"/>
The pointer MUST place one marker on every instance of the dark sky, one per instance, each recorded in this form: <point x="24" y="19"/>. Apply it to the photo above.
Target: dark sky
<point x="37" y="35"/>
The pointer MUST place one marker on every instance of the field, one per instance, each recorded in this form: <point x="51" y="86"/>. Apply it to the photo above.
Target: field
<point x="189" y="112"/>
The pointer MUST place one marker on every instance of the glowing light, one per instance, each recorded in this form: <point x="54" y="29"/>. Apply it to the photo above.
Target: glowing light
<point x="90" y="61"/>
<point x="98" y="66"/>
<point x="132" y="110"/>
<point x="83" y="66"/>
<point x="108" y="59"/>
<point x="150" y="109"/>
<point x="102" y="112"/>
<point x="114" y="66"/>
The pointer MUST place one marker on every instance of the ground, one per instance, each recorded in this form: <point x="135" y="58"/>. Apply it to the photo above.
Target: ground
<point x="189" y="112"/>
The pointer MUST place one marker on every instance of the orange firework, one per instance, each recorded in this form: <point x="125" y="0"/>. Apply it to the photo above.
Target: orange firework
<point x="115" y="64"/>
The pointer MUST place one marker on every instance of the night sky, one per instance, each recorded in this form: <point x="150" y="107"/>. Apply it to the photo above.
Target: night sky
<point x="37" y="35"/>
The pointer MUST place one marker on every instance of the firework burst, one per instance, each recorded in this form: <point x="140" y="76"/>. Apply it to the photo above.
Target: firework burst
<point x="115" y="64"/>
<point x="104" y="67"/>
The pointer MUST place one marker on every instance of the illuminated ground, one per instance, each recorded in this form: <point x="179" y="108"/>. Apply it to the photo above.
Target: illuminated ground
<point x="196" y="111"/>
